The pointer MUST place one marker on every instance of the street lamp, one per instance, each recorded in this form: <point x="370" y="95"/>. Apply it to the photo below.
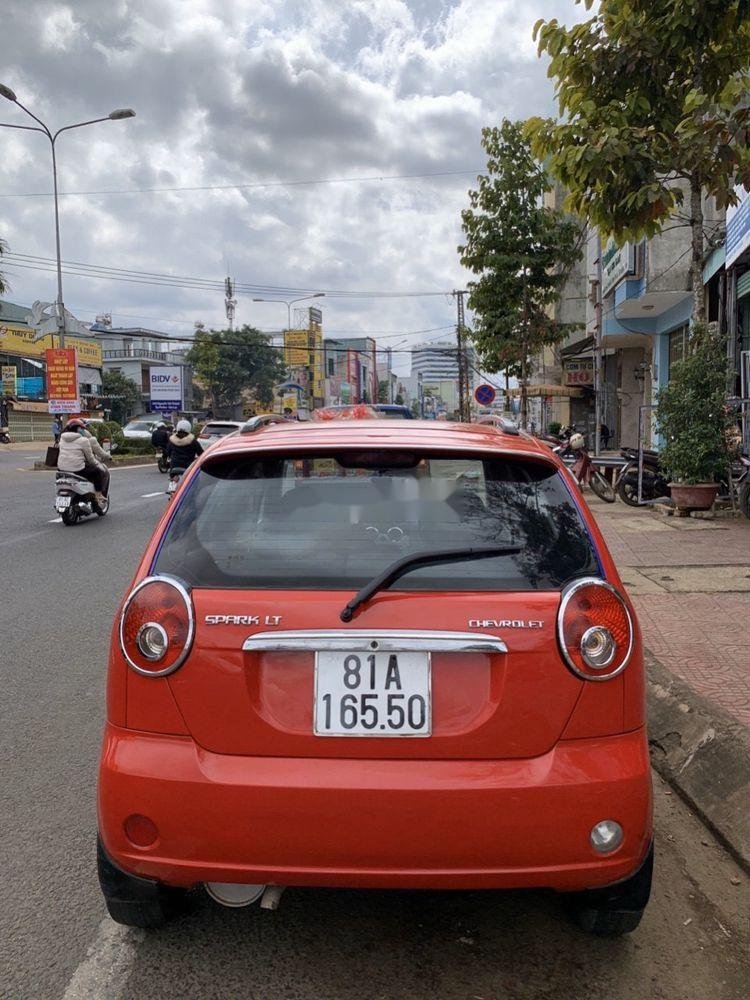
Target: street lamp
<point x="289" y="303"/>
<point x="117" y="115"/>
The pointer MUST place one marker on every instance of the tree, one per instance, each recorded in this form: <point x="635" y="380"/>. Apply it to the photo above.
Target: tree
<point x="229" y="362"/>
<point x="123" y="393"/>
<point x="652" y="98"/>
<point x="384" y="389"/>
<point x="522" y="253"/>
<point x="3" y="283"/>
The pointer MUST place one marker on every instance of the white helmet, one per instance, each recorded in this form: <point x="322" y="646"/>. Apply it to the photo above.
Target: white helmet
<point x="186" y="427"/>
<point x="577" y="441"/>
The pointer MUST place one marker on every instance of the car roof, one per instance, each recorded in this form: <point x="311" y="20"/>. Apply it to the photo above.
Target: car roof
<point x="427" y="435"/>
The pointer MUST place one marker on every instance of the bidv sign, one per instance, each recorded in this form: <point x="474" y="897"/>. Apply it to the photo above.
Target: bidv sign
<point x="166" y="388"/>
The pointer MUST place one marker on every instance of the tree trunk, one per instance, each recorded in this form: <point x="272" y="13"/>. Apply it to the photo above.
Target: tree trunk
<point x="696" y="264"/>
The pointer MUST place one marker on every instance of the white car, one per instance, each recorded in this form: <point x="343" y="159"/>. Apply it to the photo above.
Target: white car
<point x="216" y="429"/>
<point x="139" y="429"/>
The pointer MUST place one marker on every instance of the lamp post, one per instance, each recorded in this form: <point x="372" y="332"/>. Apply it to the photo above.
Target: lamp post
<point x="289" y="303"/>
<point x="116" y="115"/>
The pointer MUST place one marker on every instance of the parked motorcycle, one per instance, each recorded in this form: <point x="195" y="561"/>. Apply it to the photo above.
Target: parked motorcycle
<point x="654" y="484"/>
<point x="584" y="469"/>
<point x="75" y="498"/>
<point x="743" y="487"/>
<point x="4" y="435"/>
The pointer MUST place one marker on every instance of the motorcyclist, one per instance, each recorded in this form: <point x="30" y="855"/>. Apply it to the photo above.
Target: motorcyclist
<point x="182" y="448"/>
<point x="160" y="436"/>
<point x="81" y="453"/>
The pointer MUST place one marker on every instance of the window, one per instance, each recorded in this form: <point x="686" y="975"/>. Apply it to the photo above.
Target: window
<point x="333" y="521"/>
<point x="331" y="367"/>
<point x="678" y="345"/>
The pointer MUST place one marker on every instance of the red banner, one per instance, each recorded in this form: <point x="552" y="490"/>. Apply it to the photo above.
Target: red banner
<point x="62" y="379"/>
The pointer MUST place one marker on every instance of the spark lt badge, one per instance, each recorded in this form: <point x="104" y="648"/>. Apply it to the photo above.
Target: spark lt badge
<point x="495" y="623"/>
<point x="242" y="619"/>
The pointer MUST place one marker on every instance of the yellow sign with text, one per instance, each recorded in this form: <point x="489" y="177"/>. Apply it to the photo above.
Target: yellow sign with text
<point x="17" y="339"/>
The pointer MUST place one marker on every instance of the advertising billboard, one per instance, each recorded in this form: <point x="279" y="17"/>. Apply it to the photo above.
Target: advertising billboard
<point x="17" y="339"/>
<point x="165" y="384"/>
<point x="62" y="380"/>
<point x="738" y="226"/>
<point x="9" y="377"/>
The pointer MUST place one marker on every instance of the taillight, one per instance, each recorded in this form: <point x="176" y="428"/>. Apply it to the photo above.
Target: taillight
<point x="595" y="630"/>
<point x="156" y="626"/>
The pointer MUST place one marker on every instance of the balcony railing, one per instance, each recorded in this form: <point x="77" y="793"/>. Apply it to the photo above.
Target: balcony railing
<point x="139" y="353"/>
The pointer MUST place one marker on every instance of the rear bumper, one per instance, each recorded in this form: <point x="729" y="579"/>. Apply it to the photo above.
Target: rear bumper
<point x="374" y="823"/>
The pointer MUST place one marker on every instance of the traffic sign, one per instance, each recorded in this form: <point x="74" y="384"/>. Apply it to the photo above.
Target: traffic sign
<point x="484" y="394"/>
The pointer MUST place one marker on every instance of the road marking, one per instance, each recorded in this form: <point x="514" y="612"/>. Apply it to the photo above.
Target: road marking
<point x="106" y="967"/>
<point x="55" y="520"/>
<point x="145" y="496"/>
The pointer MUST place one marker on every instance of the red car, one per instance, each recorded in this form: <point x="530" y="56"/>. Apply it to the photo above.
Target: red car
<point x="367" y="655"/>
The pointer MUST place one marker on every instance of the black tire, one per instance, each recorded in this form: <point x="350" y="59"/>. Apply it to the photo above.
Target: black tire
<point x="616" y="909"/>
<point x="134" y="901"/>
<point x="163" y="465"/>
<point x="627" y="491"/>
<point x="745" y="499"/>
<point x="69" y="517"/>
<point x="603" y="489"/>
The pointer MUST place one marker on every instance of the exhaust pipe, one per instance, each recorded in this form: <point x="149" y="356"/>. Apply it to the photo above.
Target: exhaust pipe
<point x="235" y="894"/>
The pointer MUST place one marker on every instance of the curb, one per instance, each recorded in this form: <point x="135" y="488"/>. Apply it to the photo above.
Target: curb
<point x="704" y="754"/>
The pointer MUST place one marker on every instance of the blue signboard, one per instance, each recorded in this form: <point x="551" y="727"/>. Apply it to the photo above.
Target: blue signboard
<point x="738" y="228"/>
<point x="484" y="395"/>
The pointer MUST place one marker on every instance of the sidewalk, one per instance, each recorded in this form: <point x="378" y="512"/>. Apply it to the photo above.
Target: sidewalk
<point x="690" y="583"/>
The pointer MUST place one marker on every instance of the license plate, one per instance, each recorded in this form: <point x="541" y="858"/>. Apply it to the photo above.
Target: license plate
<point x="62" y="503"/>
<point x="372" y="694"/>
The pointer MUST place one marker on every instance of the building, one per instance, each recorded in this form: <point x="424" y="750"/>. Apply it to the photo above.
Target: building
<point x="23" y="366"/>
<point x="351" y="370"/>
<point x="135" y="351"/>
<point x="433" y="382"/>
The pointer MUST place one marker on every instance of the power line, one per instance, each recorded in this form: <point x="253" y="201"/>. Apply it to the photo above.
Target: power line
<point x="244" y="186"/>
<point x="104" y="272"/>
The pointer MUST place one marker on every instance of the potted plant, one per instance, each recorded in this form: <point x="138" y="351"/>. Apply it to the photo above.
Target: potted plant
<point x="691" y="420"/>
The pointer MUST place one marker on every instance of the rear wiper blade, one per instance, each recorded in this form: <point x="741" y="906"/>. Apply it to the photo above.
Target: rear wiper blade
<point x="398" y="568"/>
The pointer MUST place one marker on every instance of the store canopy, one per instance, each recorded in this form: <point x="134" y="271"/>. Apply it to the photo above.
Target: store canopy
<point x="585" y="346"/>
<point x="533" y="391"/>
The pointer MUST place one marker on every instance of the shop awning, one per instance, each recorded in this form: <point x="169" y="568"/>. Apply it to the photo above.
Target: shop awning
<point x="548" y="390"/>
<point x="585" y="346"/>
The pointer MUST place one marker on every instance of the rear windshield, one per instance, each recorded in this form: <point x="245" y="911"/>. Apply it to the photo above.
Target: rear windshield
<point x="138" y="425"/>
<point x="332" y="522"/>
<point x="219" y="430"/>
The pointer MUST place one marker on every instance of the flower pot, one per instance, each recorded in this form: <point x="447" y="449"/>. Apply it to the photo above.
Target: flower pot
<point x="699" y="496"/>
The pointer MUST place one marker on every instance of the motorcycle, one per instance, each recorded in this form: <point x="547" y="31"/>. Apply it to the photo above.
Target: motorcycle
<point x="174" y="483"/>
<point x="584" y="469"/>
<point x="654" y="483"/>
<point x="162" y="462"/>
<point x="75" y="498"/>
<point x="4" y="435"/>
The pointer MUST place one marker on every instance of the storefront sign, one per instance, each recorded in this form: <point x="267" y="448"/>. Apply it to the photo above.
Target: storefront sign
<point x="738" y="227"/>
<point x="579" y="373"/>
<point x="62" y="380"/>
<point x="17" y="339"/>
<point x="617" y="263"/>
<point x="296" y="354"/>
<point x="9" y="375"/>
<point x="165" y="382"/>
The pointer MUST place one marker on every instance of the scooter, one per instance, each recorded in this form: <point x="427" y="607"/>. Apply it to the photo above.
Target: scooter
<point x="75" y="498"/>
<point x="585" y="471"/>
<point x="162" y="462"/>
<point x="174" y="482"/>
<point x="4" y="435"/>
<point x="655" y="483"/>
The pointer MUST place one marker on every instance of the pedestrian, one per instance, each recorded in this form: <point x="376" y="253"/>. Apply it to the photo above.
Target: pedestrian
<point x="57" y="429"/>
<point x="604" y="435"/>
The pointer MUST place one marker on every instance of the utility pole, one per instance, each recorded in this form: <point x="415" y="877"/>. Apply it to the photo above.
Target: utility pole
<point x="464" y="405"/>
<point x="230" y="302"/>
<point x="596" y="299"/>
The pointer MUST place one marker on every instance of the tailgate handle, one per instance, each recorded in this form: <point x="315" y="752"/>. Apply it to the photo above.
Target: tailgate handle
<point x="359" y="640"/>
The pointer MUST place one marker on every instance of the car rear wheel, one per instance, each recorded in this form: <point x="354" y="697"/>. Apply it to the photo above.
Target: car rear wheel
<point x="616" y="909"/>
<point x="134" y="901"/>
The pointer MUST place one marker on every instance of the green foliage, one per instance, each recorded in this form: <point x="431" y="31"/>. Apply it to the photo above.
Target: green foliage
<point x="652" y="99"/>
<point x="520" y="250"/>
<point x="136" y="446"/>
<point x="384" y="388"/>
<point x="554" y="427"/>
<point x="108" y="429"/>
<point x="691" y="415"/>
<point x="399" y="400"/>
<point x="124" y="395"/>
<point x="229" y="362"/>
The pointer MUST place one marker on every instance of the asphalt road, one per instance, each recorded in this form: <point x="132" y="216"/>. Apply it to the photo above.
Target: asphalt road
<point x="58" y="589"/>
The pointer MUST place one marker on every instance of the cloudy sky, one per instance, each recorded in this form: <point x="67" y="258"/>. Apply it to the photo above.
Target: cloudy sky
<point x="261" y="94"/>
